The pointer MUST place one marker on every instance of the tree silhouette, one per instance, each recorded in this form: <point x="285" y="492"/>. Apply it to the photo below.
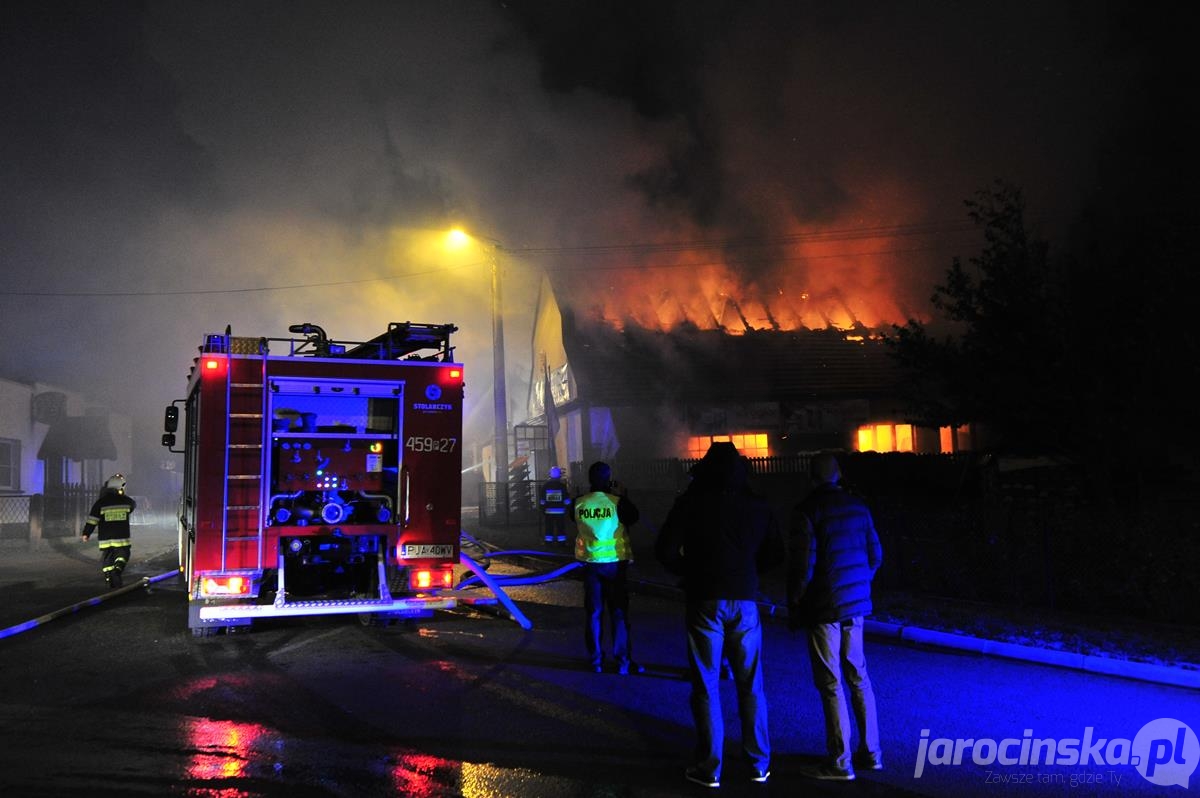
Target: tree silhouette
<point x="1000" y="359"/>
<point x="1080" y="355"/>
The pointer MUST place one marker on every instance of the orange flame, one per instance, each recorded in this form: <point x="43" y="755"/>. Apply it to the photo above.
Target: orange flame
<point x="812" y="284"/>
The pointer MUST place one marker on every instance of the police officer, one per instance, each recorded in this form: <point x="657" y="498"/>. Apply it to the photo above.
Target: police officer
<point x="555" y="502"/>
<point x="109" y="518"/>
<point x="603" y="517"/>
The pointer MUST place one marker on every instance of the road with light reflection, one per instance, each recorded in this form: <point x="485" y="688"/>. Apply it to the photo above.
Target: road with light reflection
<point x="121" y="700"/>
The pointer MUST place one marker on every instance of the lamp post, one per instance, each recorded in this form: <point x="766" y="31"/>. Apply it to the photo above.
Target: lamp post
<point x="498" y="380"/>
<point x="457" y="239"/>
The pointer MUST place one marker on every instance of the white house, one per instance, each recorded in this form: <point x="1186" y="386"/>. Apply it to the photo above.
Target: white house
<point x="50" y="438"/>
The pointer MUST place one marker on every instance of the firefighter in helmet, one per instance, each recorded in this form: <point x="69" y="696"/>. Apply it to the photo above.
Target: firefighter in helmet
<point x="109" y="519"/>
<point x="555" y="501"/>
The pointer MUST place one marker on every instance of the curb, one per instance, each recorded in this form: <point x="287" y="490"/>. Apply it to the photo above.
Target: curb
<point x="1105" y="666"/>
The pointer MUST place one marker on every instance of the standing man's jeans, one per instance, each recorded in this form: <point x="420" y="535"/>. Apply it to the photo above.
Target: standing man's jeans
<point x="733" y="627"/>
<point x="836" y="650"/>
<point x="606" y="591"/>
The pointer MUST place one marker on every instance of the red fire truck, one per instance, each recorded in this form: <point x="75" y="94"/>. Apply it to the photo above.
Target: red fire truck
<point x="320" y="476"/>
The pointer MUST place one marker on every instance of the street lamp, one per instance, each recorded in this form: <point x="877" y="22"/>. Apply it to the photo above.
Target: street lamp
<point x="459" y="238"/>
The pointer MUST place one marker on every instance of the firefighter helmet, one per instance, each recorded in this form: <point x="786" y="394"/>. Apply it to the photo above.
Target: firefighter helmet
<point x="116" y="482"/>
<point x="555" y="472"/>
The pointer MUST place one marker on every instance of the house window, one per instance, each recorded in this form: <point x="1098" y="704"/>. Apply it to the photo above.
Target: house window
<point x="885" y="438"/>
<point x="749" y="444"/>
<point x="10" y="464"/>
<point x="954" y="439"/>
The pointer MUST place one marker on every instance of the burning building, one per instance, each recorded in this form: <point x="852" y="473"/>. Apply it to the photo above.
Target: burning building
<point x="739" y="370"/>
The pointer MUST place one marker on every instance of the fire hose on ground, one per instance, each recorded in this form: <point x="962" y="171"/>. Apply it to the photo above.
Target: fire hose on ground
<point x="494" y="583"/>
<point x="497" y="583"/>
<point x="144" y="582"/>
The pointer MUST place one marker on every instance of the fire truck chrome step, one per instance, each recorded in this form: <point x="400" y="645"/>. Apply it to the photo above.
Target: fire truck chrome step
<point x="302" y="608"/>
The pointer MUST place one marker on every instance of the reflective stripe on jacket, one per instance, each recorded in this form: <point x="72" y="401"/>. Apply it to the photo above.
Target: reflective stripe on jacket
<point x="109" y="517"/>
<point x="554" y="498"/>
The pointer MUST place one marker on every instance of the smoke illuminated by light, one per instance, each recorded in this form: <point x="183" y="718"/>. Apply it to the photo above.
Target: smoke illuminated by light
<point x="812" y="162"/>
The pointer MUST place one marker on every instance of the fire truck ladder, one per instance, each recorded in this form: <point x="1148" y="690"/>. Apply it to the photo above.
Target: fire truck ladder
<point x="245" y="442"/>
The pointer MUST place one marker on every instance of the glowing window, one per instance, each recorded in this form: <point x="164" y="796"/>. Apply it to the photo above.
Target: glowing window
<point x="885" y="438"/>
<point x="954" y="439"/>
<point x="750" y="444"/>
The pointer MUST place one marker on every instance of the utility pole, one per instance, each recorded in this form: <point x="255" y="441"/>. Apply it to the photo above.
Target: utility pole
<point x="498" y="380"/>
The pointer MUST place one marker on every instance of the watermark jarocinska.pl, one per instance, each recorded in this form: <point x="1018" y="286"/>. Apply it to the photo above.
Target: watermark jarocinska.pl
<point x="1164" y="751"/>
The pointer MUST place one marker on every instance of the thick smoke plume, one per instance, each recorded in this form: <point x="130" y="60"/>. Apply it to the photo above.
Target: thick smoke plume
<point x="175" y="167"/>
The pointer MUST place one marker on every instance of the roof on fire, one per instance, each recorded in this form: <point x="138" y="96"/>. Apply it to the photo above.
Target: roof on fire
<point x="636" y="365"/>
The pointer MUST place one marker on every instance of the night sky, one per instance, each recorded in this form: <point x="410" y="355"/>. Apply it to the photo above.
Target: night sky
<point x="172" y="168"/>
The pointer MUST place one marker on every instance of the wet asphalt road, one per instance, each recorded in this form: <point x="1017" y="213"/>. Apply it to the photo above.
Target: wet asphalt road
<point x="117" y="698"/>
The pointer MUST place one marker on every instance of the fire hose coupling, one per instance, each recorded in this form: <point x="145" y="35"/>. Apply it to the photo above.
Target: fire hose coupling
<point x="333" y="512"/>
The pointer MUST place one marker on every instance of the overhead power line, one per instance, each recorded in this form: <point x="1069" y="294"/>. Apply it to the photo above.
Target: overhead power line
<point x="639" y="248"/>
<point x="847" y="234"/>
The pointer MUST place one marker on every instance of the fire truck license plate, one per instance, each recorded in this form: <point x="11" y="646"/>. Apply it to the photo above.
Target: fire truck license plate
<point x="418" y="550"/>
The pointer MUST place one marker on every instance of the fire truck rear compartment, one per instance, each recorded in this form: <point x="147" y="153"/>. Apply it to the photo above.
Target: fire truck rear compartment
<point x="330" y="566"/>
<point x="320" y="476"/>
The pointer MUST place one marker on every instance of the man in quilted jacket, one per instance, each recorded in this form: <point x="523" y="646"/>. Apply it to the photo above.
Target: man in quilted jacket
<point x="834" y="554"/>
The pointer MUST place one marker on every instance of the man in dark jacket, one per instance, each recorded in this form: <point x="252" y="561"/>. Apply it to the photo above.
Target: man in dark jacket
<point x="110" y="517"/>
<point x="835" y="554"/>
<point x="720" y="536"/>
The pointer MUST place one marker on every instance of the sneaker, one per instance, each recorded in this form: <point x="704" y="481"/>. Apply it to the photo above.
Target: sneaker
<point x="869" y="761"/>
<point x="695" y="776"/>
<point x="626" y="668"/>
<point x="828" y="773"/>
<point x="760" y="776"/>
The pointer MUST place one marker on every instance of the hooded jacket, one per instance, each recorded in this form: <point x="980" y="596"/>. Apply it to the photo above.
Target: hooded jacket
<point x="719" y="535"/>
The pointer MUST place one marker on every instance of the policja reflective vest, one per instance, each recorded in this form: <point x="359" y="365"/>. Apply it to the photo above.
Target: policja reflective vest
<point x="601" y="536"/>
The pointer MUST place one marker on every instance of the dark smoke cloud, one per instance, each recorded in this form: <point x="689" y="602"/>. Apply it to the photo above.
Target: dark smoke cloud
<point x="259" y="164"/>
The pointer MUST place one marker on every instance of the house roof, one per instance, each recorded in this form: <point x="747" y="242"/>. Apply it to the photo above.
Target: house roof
<point x="79" y="438"/>
<point x="636" y="366"/>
